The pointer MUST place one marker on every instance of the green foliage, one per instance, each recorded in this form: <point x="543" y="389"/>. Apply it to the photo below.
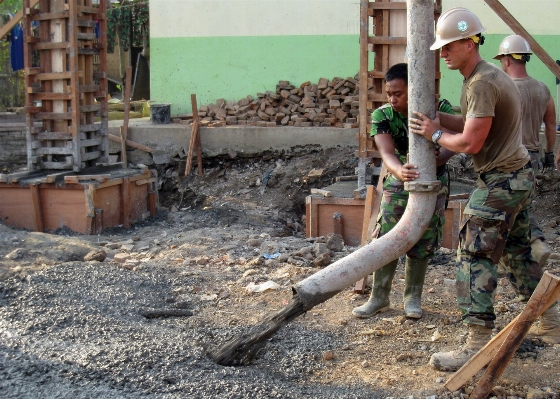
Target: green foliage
<point x="12" y="6"/>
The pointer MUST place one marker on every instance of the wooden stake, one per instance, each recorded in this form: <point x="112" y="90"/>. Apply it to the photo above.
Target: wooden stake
<point x="194" y="141"/>
<point x="518" y="29"/>
<point x="544" y="296"/>
<point x="124" y="128"/>
<point x="371" y="210"/>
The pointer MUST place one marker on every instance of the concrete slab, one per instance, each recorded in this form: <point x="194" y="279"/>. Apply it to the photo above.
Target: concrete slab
<point x="173" y="139"/>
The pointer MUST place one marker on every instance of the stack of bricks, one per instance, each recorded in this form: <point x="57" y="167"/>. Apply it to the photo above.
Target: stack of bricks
<point x="328" y="103"/>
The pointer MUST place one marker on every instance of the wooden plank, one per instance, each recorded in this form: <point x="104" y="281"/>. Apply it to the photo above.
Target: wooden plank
<point x="54" y="151"/>
<point x="518" y="29"/>
<point x="86" y="36"/>
<point x="90" y="108"/>
<point x="487" y="353"/>
<point x="131" y="143"/>
<point x="90" y="143"/>
<point x="145" y="181"/>
<point x="7" y="28"/>
<point x="37" y="208"/>
<point x="55" y="116"/>
<point x="52" y="96"/>
<point x="74" y="179"/>
<point x="50" y="45"/>
<point x="93" y="127"/>
<point x="548" y="290"/>
<point x="53" y="76"/>
<point x="324" y="193"/>
<point x="88" y="88"/>
<point x="124" y="128"/>
<point x="125" y="203"/>
<point x="88" y="51"/>
<point x="88" y="156"/>
<point x="46" y="16"/>
<point x="67" y="164"/>
<point x="86" y="23"/>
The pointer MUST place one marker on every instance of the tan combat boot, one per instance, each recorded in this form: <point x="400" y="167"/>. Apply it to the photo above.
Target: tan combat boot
<point x="540" y="251"/>
<point x="548" y="328"/>
<point x="379" y="299"/>
<point x="454" y="360"/>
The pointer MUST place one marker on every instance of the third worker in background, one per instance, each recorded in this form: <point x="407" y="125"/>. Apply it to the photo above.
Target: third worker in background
<point x="537" y="107"/>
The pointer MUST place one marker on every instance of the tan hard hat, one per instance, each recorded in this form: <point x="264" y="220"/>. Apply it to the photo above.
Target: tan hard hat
<point x="513" y="45"/>
<point x="456" y="24"/>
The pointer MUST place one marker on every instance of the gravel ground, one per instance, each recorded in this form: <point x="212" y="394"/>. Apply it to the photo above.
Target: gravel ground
<point x="71" y="328"/>
<point x="74" y="330"/>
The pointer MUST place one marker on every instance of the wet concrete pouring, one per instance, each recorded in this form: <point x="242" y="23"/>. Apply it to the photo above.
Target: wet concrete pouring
<point x="220" y="257"/>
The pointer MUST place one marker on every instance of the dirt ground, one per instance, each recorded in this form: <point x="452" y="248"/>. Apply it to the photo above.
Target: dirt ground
<point x="242" y="225"/>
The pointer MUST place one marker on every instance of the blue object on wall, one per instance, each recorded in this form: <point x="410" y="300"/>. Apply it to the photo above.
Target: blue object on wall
<point x="16" y="48"/>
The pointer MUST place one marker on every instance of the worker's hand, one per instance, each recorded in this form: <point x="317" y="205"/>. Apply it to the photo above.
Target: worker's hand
<point x="408" y="172"/>
<point x="423" y="125"/>
<point x="548" y="161"/>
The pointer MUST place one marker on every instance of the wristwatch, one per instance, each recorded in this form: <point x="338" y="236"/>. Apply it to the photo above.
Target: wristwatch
<point x="436" y="136"/>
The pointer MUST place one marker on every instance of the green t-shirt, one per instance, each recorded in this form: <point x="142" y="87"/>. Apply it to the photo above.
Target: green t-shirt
<point x="385" y="120"/>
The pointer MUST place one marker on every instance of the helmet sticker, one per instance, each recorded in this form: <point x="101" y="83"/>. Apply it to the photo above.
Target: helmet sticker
<point x="462" y="26"/>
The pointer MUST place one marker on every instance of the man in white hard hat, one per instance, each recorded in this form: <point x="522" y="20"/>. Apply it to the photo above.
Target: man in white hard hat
<point x="496" y="217"/>
<point x="537" y="106"/>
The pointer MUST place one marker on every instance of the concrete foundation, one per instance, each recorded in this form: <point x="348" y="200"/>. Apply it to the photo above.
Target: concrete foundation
<point x="172" y="140"/>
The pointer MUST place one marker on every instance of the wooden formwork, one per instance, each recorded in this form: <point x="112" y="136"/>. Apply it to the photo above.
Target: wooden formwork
<point x="326" y="215"/>
<point x="388" y="43"/>
<point x="63" y="91"/>
<point x="321" y="218"/>
<point x="84" y="203"/>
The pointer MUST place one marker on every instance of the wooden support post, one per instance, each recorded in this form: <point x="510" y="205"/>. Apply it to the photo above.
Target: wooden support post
<point x="337" y="223"/>
<point x="194" y="141"/>
<point x="544" y="296"/>
<point x="371" y="210"/>
<point x="152" y="199"/>
<point x="37" y="208"/>
<point x="518" y="29"/>
<point x="125" y="202"/>
<point x="98" y="222"/>
<point x="124" y="128"/>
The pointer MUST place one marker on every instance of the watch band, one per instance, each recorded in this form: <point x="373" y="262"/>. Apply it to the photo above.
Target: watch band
<point x="436" y="136"/>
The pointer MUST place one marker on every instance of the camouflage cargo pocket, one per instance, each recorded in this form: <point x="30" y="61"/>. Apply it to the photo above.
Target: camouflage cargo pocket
<point x="480" y="231"/>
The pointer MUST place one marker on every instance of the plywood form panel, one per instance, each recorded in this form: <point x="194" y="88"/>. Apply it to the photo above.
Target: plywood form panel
<point x="64" y="208"/>
<point x="109" y="199"/>
<point x="16" y="206"/>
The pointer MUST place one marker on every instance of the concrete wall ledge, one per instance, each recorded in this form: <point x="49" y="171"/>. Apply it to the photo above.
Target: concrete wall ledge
<point x="173" y="139"/>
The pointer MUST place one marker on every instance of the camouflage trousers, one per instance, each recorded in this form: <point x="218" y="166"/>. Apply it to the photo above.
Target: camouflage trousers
<point x="495" y="219"/>
<point x="393" y="205"/>
<point x="536" y="231"/>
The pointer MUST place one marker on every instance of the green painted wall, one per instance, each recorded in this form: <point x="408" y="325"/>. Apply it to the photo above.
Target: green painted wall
<point x="234" y="67"/>
<point x="452" y="81"/>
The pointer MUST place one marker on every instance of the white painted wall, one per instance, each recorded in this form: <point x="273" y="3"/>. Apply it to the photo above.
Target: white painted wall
<point x="207" y="18"/>
<point x="538" y="17"/>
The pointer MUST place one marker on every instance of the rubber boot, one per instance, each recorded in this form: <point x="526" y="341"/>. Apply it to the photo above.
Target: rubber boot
<point x="454" y="360"/>
<point x="379" y="299"/>
<point x="548" y="328"/>
<point x="540" y="251"/>
<point x="415" y="273"/>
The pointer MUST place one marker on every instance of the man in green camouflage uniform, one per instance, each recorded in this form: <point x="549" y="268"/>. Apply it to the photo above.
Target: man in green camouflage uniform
<point x="496" y="217"/>
<point x="390" y="131"/>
